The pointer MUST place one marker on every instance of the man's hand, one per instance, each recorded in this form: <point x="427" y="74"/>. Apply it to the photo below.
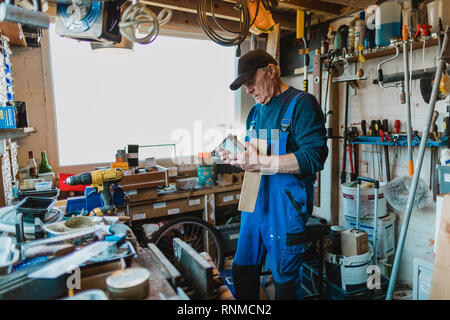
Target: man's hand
<point x="249" y="160"/>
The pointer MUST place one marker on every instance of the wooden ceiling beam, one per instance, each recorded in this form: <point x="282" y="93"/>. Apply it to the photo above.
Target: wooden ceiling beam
<point x="222" y="9"/>
<point x="316" y="6"/>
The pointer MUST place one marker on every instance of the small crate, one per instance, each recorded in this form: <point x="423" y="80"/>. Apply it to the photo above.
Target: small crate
<point x="230" y="235"/>
<point x="444" y="179"/>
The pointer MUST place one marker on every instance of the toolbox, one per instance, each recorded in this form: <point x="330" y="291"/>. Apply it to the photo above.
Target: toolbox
<point x="230" y="235"/>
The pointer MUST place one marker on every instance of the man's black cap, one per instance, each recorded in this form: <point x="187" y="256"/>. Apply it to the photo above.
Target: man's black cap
<point x="248" y="64"/>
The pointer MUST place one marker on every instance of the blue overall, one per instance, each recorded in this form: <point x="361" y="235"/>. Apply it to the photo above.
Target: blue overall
<point x="275" y="227"/>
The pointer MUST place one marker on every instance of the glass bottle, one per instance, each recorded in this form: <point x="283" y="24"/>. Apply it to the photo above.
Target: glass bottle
<point x="44" y="166"/>
<point x="31" y="164"/>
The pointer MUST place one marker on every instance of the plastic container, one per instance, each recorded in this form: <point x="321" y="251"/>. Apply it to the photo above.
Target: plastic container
<point x="32" y="207"/>
<point x="444" y="179"/>
<point x="349" y="273"/>
<point x="52" y="193"/>
<point x="388" y="22"/>
<point x="349" y="190"/>
<point x="435" y="10"/>
<point x="385" y="233"/>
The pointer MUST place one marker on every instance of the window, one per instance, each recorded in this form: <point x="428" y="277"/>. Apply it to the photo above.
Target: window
<point x="170" y="91"/>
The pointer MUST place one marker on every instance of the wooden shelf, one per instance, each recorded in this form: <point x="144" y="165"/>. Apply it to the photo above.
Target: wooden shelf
<point x="13" y="31"/>
<point x="15" y="133"/>
<point x="391" y="51"/>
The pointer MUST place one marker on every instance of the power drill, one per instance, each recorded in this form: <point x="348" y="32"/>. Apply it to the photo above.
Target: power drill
<point x="101" y="180"/>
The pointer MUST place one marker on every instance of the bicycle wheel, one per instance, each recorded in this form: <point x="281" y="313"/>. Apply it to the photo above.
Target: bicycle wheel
<point x="199" y="234"/>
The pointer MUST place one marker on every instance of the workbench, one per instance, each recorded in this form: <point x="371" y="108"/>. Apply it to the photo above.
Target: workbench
<point x="206" y="199"/>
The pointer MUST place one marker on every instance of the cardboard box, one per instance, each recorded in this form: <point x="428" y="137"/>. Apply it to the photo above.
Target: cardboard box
<point x="354" y="242"/>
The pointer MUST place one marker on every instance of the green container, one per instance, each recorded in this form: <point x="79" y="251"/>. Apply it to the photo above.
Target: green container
<point x="206" y="176"/>
<point x="444" y="179"/>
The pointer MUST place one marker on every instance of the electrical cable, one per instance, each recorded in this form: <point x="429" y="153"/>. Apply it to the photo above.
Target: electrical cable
<point x="136" y="16"/>
<point x="237" y="37"/>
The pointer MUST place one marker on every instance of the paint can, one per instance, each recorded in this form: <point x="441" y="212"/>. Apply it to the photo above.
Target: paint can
<point x="129" y="284"/>
<point x="348" y="272"/>
<point x="206" y="175"/>
<point x="335" y="239"/>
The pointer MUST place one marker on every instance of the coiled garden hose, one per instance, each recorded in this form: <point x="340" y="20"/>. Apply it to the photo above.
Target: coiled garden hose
<point x="136" y="18"/>
<point x="236" y="37"/>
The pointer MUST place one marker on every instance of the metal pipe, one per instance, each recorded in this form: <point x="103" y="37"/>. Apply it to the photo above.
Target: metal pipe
<point x="34" y="18"/>
<point x="415" y="180"/>
<point x="408" y="108"/>
<point x="375" y="223"/>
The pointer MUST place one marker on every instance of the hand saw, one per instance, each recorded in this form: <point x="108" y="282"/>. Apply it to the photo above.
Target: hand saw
<point x="63" y="265"/>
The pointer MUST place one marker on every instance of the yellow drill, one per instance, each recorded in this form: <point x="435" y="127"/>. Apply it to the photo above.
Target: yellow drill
<point x="101" y="180"/>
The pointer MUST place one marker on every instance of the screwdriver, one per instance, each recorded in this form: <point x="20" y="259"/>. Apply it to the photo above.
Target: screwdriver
<point x="363" y="127"/>
<point x="397" y="125"/>
<point x="373" y="128"/>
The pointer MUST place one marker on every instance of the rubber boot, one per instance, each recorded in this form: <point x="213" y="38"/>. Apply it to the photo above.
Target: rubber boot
<point x="246" y="280"/>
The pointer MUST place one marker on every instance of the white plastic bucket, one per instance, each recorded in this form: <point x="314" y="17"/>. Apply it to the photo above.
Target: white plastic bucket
<point x="367" y="202"/>
<point x="350" y="272"/>
<point x="435" y="10"/>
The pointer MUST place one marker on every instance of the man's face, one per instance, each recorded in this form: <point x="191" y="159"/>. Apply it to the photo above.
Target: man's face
<point x="261" y="87"/>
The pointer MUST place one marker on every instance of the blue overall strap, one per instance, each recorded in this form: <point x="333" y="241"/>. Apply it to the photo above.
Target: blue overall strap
<point x="286" y="122"/>
<point x="252" y="124"/>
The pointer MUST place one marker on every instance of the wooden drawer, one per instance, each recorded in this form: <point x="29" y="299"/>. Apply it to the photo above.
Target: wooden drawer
<point x="160" y="209"/>
<point x="226" y="198"/>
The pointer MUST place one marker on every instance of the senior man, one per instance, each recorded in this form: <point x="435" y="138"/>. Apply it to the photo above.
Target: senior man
<point x="293" y="124"/>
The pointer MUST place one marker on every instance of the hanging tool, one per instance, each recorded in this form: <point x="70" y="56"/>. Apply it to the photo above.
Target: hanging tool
<point x="344" y="159"/>
<point x="364" y="127"/>
<point x="408" y="101"/>
<point x="327" y="112"/>
<point x="350" y="159"/>
<point x="397" y="125"/>
<point x="433" y="156"/>
<point x="384" y="136"/>
<point x="303" y="32"/>
<point x="101" y="180"/>
<point x="442" y="60"/>
<point x="355" y="147"/>
<point x="372" y="132"/>
<point x="395" y="42"/>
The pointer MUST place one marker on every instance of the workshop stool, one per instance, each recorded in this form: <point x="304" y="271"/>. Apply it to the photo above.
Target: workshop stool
<point x="314" y="231"/>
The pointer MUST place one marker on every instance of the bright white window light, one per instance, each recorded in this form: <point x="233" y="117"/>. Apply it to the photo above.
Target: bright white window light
<point x="171" y="90"/>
